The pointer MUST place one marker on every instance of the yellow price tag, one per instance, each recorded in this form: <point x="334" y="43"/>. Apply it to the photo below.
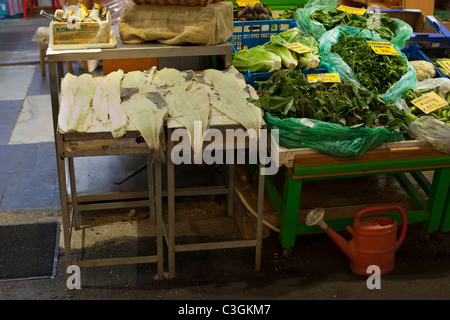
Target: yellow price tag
<point x="429" y="102"/>
<point x="445" y="65"/>
<point x="243" y="3"/>
<point x="298" y="47"/>
<point x="383" y="48"/>
<point x="358" y="11"/>
<point x="323" y="77"/>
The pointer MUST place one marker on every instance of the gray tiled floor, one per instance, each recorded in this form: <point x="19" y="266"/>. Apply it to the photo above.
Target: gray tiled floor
<point x="28" y="175"/>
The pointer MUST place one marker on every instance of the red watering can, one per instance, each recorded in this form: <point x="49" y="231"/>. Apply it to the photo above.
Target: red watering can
<point x="374" y="238"/>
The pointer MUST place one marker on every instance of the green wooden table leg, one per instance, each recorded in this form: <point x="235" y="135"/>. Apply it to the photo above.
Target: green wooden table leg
<point x="437" y="199"/>
<point x="289" y="211"/>
<point x="445" y="223"/>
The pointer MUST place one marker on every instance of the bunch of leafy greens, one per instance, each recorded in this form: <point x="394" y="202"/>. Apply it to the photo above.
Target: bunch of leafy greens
<point x="260" y="58"/>
<point x="376" y="72"/>
<point x="289" y="13"/>
<point x="288" y="94"/>
<point x="331" y="18"/>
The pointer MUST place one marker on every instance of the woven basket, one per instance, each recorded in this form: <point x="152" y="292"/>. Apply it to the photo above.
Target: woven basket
<point x="202" y="3"/>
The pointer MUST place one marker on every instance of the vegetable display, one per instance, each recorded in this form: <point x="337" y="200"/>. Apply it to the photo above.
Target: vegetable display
<point x="439" y="67"/>
<point x="257" y="12"/>
<point x="260" y="11"/>
<point x="289" y="13"/>
<point x="288" y="94"/>
<point x="374" y="71"/>
<point x="334" y="17"/>
<point x="272" y="55"/>
<point x="424" y="69"/>
<point x="441" y="114"/>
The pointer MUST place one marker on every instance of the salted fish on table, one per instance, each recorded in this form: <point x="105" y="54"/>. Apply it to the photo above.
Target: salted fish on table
<point x="67" y="101"/>
<point x="170" y="77"/>
<point x="148" y="118"/>
<point x="134" y="80"/>
<point x="100" y="101"/>
<point x="80" y="119"/>
<point x="116" y="113"/>
<point x="231" y="98"/>
<point x="190" y="106"/>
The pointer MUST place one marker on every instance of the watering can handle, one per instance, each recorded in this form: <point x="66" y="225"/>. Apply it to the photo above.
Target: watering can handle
<point x="398" y="208"/>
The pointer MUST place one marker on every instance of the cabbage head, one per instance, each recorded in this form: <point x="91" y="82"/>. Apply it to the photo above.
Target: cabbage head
<point x="256" y="59"/>
<point x="288" y="57"/>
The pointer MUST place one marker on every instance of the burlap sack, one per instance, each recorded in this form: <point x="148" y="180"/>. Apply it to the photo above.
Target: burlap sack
<point x="175" y="25"/>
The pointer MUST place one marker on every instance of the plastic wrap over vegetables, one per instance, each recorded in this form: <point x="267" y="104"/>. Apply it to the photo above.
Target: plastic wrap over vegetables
<point x="434" y="127"/>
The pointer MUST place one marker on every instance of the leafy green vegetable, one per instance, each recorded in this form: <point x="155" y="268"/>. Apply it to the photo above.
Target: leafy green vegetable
<point x="331" y="18"/>
<point x="309" y="60"/>
<point x="441" y="114"/>
<point x="289" y="13"/>
<point x="256" y="59"/>
<point x="288" y="94"/>
<point x="375" y="72"/>
<point x="250" y="58"/>
<point x="276" y="45"/>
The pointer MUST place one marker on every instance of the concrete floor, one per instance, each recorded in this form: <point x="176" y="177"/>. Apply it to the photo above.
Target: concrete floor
<point x="316" y="269"/>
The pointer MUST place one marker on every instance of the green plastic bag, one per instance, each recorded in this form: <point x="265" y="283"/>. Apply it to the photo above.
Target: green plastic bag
<point x="335" y="64"/>
<point x="312" y="27"/>
<point x="309" y="26"/>
<point x="329" y="138"/>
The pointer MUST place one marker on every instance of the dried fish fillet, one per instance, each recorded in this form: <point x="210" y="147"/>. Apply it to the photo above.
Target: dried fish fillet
<point x="148" y="120"/>
<point x="232" y="97"/>
<point x="169" y="77"/>
<point x="80" y="119"/>
<point x="134" y="80"/>
<point x="116" y="113"/>
<point x="68" y="89"/>
<point x="190" y="107"/>
<point x="100" y="101"/>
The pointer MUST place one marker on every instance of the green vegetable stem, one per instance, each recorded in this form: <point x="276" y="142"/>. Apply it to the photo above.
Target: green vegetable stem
<point x="375" y="72"/>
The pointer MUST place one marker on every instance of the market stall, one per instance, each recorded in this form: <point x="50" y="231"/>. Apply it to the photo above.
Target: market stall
<point x="343" y="100"/>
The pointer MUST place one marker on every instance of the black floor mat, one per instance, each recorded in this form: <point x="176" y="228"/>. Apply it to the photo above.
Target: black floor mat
<point x="29" y="251"/>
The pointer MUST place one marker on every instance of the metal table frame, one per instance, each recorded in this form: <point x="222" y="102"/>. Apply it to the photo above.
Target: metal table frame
<point x="74" y="145"/>
<point x="396" y="158"/>
<point x="122" y="51"/>
<point x="228" y="189"/>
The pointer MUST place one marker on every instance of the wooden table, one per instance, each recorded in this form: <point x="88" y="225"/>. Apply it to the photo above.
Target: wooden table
<point x="221" y="122"/>
<point x="395" y="158"/>
<point x="101" y="143"/>
<point x="91" y="144"/>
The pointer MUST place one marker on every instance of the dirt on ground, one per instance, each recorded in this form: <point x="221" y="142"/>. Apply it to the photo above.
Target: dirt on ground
<point x="315" y="270"/>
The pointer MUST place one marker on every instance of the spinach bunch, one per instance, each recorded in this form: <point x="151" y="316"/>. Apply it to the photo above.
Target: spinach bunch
<point x="288" y="94"/>
<point x="331" y="18"/>
<point x="375" y="72"/>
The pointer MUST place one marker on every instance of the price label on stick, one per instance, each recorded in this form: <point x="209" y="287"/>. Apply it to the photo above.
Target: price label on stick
<point x="243" y="3"/>
<point x="429" y="102"/>
<point x="298" y="47"/>
<point x="383" y="48"/>
<point x="358" y="11"/>
<point x="445" y="65"/>
<point x="323" y="77"/>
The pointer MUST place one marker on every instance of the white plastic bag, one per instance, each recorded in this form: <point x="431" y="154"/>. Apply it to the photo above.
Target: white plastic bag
<point x="436" y="133"/>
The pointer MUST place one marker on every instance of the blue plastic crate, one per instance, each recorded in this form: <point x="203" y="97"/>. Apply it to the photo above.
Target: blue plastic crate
<point x="248" y="34"/>
<point x="428" y="32"/>
<point x="413" y="52"/>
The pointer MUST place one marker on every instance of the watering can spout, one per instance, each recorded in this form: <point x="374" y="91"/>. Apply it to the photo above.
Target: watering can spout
<point x="315" y="217"/>
<point x="348" y="247"/>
